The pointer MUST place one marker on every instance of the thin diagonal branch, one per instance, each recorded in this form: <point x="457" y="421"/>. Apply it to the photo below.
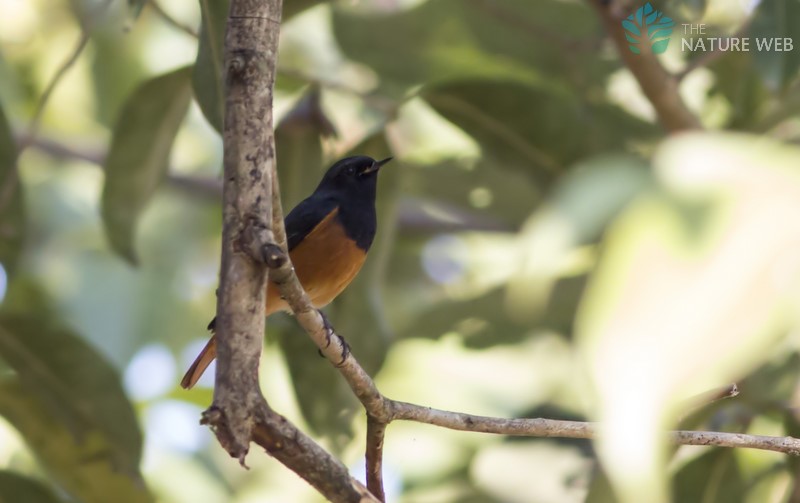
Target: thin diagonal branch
<point x="171" y="20"/>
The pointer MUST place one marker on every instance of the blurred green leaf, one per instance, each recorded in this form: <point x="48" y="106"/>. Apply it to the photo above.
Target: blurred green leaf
<point x="77" y="387"/>
<point x="692" y="293"/>
<point x="774" y="19"/>
<point x="298" y="143"/>
<point x="137" y="162"/>
<point x="294" y="7"/>
<point x="82" y="460"/>
<point x="207" y="74"/>
<point x="454" y="39"/>
<point x="531" y="128"/>
<point x="325" y="400"/>
<point x="12" y="207"/>
<point x="712" y="476"/>
<point x="741" y="87"/>
<point x="116" y="68"/>
<point x="136" y="6"/>
<point x="600" y="490"/>
<point x="16" y="488"/>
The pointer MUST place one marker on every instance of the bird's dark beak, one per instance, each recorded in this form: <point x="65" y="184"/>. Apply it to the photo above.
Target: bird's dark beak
<point x="377" y="165"/>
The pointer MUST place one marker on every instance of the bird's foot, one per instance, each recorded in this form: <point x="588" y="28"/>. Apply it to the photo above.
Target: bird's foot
<point x="329" y="333"/>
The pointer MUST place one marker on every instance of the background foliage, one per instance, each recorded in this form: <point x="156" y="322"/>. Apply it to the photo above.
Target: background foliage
<point x="528" y="166"/>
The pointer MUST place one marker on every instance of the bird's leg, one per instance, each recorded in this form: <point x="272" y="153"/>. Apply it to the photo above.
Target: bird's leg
<point x="329" y="332"/>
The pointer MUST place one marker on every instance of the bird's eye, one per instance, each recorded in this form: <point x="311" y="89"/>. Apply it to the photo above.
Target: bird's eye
<point x="350" y="170"/>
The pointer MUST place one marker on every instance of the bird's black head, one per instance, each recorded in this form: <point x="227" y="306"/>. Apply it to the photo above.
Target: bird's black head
<point x="355" y="176"/>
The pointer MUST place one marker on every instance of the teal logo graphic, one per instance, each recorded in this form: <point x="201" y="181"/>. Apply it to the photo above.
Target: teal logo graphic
<point x="648" y="27"/>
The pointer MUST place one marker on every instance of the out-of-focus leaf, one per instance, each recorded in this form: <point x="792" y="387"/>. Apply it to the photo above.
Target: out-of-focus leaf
<point x="327" y="402"/>
<point x="454" y="39"/>
<point x="75" y="385"/>
<point x="530" y="128"/>
<point x="712" y="476"/>
<point x="207" y="77"/>
<point x="509" y="199"/>
<point x="138" y="159"/>
<point x="742" y="88"/>
<point x="580" y="208"/>
<point x="298" y="144"/>
<point x="136" y="6"/>
<point x="600" y="490"/>
<point x="82" y="460"/>
<point x="207" y="74"/>
<point x="771" y="24"/>
<point x="16" y="488"/>
<point x="12" y="208"/>
<point x="116" y="68"/>
<point x="294" y="7"/>
<point x="667" y="294"/>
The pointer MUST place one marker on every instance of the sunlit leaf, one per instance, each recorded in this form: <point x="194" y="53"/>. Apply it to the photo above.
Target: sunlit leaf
<point x="18" y="488"/>
<point x="138" y="159"/>
<point x="12" y="208"/>
<point x="670" y="292"/>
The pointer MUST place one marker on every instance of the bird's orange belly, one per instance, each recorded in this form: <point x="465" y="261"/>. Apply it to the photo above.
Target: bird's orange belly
<point x="326" y="261"/>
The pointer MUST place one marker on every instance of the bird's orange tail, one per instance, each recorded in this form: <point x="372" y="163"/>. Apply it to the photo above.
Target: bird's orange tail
<point x="200" y="364"/>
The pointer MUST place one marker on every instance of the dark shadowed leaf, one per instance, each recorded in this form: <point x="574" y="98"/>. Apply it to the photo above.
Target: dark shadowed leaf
<point x="298" y="143"/>
<point x="712" y="476"/>
<point x="81" y="461"/>
<point x="77" y="386"/>
<point x="777" y="64"/>
<point x="18" y="488"/>
<point x="325" y="400"/>
<point x="136" y="6"/>
<point x="12" y="209"/>
<point x="207" y="77"/>
<point x="741" y="87"/>
<point x="138" y="159"/>
<point x="207" y="71"/>
<point x="534" y="129"/>
<point x="454" y="39"/>
<point x="72" y="388"/>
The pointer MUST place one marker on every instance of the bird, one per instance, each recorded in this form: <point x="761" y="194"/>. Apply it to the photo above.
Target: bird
<point x="328" y="235"/>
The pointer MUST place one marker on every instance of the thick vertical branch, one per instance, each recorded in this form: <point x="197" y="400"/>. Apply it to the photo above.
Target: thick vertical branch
<point x="251" y="43"/>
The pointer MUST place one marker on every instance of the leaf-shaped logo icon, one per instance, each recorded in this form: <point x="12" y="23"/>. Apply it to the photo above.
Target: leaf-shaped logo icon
<point x="648" y="27"/>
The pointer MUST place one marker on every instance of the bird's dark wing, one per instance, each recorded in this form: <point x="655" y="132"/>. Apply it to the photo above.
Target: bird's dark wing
<point x="305" y="216"/>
